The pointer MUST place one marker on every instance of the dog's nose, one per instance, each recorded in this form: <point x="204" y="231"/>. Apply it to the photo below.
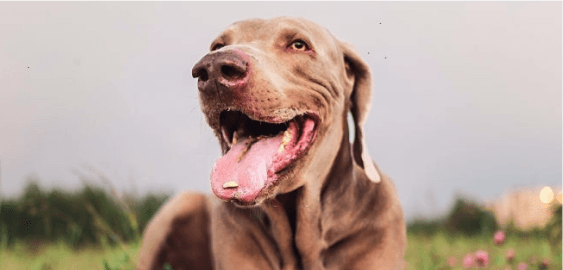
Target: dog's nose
<point x="226" y="68"/>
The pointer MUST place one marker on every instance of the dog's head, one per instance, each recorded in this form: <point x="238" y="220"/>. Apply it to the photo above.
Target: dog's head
<point x="277" y="94"/>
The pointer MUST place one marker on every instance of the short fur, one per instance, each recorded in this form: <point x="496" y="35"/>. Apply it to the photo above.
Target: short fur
<point x="334" y="210"/>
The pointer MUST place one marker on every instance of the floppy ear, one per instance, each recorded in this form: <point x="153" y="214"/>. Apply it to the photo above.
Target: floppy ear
<point x="360" y="101"/>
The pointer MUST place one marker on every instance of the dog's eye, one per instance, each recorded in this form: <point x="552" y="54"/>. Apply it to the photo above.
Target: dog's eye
<point x="217" y="46"/>
<point x="299" y="45"/>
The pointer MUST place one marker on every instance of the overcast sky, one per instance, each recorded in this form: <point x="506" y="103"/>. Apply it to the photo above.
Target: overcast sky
<point x="467" y="96"/>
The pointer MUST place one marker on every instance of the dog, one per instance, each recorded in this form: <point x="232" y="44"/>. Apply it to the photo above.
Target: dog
<point x="291" y="190"/>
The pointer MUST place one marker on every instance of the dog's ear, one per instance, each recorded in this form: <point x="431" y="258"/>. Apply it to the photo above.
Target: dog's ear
<point x="360" y="100"/>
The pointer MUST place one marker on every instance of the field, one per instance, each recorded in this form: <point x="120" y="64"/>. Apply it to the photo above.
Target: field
<point x="94" y="228"/>
<point x="61" y="256"/>
<point x="422" y="253"/>
<point x="434" y="252"/>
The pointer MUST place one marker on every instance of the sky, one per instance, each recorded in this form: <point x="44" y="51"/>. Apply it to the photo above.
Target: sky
<point x="467" y="95"/>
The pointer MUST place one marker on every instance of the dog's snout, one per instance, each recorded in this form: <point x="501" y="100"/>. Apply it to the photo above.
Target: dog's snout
<point x="227" y="69"/>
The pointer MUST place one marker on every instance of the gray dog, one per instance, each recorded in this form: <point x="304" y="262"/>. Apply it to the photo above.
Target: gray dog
<point x="294" y="192"/>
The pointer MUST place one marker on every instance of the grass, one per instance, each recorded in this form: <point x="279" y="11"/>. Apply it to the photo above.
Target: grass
<point x="432" y="252"/>
<point x="94" y="228"/>
<point x="423" y="253"/>
<point x="61" y="256"/>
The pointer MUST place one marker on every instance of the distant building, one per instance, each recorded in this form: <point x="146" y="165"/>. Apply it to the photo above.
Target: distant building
<point x="525" y="207"/>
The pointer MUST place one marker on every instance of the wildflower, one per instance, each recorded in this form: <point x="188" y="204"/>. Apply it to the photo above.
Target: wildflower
<point x="498" y="237"/>
<point x="451" y="261"/>
<point x="482" y="258"/>
<point x="544" y="264"/>
<point x="522" y="266"/>
<point x="509" y="254"/>
<point x="468" y="261"/>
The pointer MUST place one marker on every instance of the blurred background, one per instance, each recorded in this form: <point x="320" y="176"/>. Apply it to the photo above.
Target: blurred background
<point x="98" y="108"/>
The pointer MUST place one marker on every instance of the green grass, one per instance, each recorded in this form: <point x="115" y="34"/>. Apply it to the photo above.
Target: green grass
<point x="91" y="216"/>
<point x="61" y="256"/>
<point x="432" y="252"/>
<point x="94" y="228"/>
<point x="423" y="253"/>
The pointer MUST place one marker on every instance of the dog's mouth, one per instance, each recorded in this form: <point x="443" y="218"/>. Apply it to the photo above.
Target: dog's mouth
<point x="258" y="153"/>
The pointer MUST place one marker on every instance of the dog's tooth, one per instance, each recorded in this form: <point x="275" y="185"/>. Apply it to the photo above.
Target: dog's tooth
<point x="286" y="136"/>
<point x="225" y="137"/>
<point x="235" y="138"/>
<point x="285" y="140"/>
<point x="230" y="184"/>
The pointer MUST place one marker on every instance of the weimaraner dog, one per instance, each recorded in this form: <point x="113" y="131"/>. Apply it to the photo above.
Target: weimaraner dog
<point x="293" y="191"/>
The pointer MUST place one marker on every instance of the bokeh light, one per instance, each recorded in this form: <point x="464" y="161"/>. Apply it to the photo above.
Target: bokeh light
<point x="546" y="195"/>
<point x="559" y="199"/>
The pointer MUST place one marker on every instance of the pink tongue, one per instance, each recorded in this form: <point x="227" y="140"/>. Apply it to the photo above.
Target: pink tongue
<point x="247" y="170"/>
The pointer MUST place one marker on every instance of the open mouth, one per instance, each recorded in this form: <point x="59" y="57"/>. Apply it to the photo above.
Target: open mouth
<point x="259" y="152"/>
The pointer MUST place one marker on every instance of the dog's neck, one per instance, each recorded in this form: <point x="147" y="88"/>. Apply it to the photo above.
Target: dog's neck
<point x="308" y="210"/>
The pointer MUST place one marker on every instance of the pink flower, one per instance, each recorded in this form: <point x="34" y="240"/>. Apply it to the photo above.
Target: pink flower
<point x="498" y="237"/>
<point x="509" y="254"/>
<point x="544" y="264"/>
<point x="482" y="258"/>
<point x="451" y="261"/>
<point x="522" y="266"/>
<point x="468" y="261"/>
